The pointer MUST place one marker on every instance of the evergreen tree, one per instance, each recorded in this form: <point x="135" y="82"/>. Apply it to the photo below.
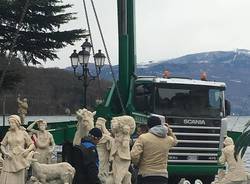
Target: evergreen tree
<point x="40" y="33"/>
<point x="14" y="75"/>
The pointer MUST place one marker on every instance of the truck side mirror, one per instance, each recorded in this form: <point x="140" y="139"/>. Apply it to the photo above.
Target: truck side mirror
<point x="227" y="107"/>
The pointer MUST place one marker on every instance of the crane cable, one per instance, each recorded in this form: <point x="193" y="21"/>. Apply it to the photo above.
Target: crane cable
<point x="93" y="49"/>
<point x="108" y="58"/>
<point x="16" y="35"/>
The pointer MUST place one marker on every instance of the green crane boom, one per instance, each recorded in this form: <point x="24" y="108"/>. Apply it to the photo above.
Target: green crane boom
<point x="127" y="60"/>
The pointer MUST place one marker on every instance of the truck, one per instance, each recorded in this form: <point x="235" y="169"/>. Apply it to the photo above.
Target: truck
<point x="194" y="109"/>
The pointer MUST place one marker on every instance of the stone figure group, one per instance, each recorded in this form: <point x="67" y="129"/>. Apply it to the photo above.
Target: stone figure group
<point x="22" y="150"/>
<point x="113" y="151"/>
<point x="32" y="147"/>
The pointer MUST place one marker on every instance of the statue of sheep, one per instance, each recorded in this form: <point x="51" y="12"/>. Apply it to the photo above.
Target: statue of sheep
<point x="47" y="173"/>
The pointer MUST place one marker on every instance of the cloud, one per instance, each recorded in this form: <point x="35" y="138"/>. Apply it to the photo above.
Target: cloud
<point x="170" y="28"/>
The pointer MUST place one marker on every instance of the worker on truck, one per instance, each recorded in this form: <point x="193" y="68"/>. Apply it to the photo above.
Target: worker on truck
<point x="150" y="152"/>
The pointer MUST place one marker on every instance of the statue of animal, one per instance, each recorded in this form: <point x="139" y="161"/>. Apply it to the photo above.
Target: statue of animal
<point x="84" y="125"/>
<point x="62" y="173"/>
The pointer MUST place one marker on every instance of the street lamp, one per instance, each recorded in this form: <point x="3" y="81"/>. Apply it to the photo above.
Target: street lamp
<point x="87" y="45"/>
<point x="83" y="57"/>
<point x="99" y="60"/>
<point x="74" y="60"/>
<point x="81" y="60"/>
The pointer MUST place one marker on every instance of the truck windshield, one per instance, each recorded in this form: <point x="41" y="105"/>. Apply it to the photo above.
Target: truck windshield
<point x="188" y="100"/>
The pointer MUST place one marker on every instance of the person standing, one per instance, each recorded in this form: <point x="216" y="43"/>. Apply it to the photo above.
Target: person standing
<point x="150" y="152"/>
<point x="85" y="159"/>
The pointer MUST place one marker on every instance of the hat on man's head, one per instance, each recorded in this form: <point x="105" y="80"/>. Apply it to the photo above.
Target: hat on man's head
<point x="153" y="121"/>
<point x="96" y="132"/>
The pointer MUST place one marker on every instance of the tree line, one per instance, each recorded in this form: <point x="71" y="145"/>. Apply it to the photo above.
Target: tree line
<point x="50" y="91"/>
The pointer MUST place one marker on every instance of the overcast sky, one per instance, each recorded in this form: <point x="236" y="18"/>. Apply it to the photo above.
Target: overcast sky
<point x="168" y="28"/>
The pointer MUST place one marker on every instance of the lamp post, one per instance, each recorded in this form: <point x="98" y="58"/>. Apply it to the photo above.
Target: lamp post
<point x="81" y="60"/>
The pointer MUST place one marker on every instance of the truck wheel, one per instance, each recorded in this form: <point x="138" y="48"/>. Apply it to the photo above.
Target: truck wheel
<point x="191" y="179"/>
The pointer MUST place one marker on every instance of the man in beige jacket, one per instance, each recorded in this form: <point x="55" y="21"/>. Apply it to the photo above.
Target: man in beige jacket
<point x="150" y="152"/>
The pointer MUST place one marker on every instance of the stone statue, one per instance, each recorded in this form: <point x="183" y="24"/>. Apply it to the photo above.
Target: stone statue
<point x="84" y="125"/>
<point x="22" y="108"/>
<point x="103" y="148"/>
<point x="235" y="168"/>
<point x="44" y="141"/>
<point x="1" y="162"/>
<point x="59" y="173"/>
<point x="220" y="175"/>
<point x="16" y="147"/>
<point x="67" y="111"/>
<point x="122" y="127"/>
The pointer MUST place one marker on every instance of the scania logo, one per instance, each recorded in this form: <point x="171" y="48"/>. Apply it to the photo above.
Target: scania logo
<point x="194" y="122"/>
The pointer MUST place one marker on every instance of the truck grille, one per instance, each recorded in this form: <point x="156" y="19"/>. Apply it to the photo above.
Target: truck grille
<point x="196" y="144"/>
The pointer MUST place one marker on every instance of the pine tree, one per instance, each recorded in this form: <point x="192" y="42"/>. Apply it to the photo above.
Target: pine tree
<point x="14" y="75"/>
<point x="40" y="34"/>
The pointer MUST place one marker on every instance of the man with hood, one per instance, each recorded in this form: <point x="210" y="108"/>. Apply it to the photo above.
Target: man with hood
<point x="150" y="152"/>
<point x="85" y="159"/>
<point x="236" y="170"/>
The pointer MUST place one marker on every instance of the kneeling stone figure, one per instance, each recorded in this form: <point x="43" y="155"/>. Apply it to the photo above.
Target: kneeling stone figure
<point x="236" y="171"/>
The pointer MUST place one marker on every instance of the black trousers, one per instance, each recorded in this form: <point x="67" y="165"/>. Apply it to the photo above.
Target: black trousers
<point x="152" y="180"/>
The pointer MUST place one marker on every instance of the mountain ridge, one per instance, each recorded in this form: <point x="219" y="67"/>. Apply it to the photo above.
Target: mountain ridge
<point x="231" y="67"/>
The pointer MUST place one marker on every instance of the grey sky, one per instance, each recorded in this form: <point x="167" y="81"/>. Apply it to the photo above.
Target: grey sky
<point x="169" y="28"/>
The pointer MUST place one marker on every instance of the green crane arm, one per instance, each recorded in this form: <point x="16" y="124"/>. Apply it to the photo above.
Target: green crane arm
<point x="127" y="61"/>
<point x="127" y="56"/>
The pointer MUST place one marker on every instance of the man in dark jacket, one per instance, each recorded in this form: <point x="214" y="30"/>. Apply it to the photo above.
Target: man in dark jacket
<point x="85" y="159"/>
